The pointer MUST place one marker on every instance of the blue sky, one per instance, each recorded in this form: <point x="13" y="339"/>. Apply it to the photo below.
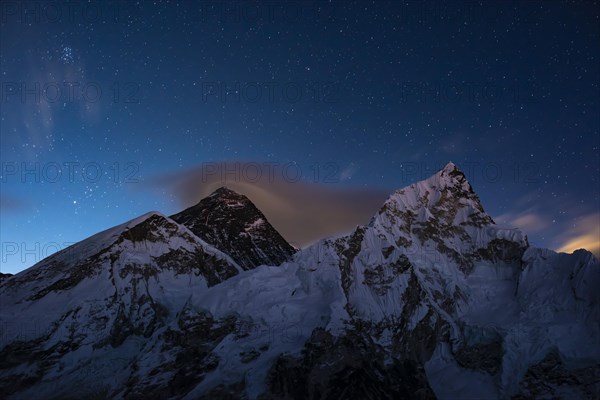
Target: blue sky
<point x="100" y="100"/>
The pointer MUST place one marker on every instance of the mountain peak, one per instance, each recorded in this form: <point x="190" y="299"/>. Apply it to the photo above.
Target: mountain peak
<point x="450" y="167"/>
<point x="446" y="198"/>
<point x="224" y="191"/>
<point x="226" y="198"/>
<point x="450" y="176"/>
<point x="231" y="222"/>
<point x="449" y="181"/>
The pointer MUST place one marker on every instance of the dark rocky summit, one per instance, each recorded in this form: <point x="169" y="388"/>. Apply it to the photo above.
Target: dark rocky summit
<point x="231" y="222"/>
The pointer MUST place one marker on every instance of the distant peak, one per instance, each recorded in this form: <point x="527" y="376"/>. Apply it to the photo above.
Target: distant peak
<point x="449" y="180"/>
<point x="149" y="226"/>
<point x="450" y="175"/>
<point x="144" y="217"/>
<point x="230" y="222"/>
<point x="446" y="197"/>
<point x="451" y="170"/>
<point x="450" y="167"/>
<point x="225" y="191"/>
<point x="223" y="196"/>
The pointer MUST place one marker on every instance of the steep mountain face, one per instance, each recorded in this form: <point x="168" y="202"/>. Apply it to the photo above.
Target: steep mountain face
<point x="84" y="305"/>
<point x="431" y="299"/>
<point x="230" y="222"/>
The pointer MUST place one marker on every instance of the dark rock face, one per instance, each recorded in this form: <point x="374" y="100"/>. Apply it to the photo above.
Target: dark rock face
<point x="379" y="277"/>
<point x="191" y="344"/>
<point x="16" y="353"/>
<point x="485" y="357"/>
<point x="549" y="379"/>
<point x="348" y="249"/>
<point x="230" y="222"/>
<point x="347" y="367"/>
<point x="210" y="267"/>
<point x="226" y="392"/>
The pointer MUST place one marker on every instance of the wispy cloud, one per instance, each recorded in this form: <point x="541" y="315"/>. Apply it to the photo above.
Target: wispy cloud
<point x="584" y="234"/>
<point x="529" y="220"/>
<point x="10" y="204"/>
<point x="302" y="212"/>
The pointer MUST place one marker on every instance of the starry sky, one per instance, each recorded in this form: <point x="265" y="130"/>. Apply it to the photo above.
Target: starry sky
<point x="103" y="103"/>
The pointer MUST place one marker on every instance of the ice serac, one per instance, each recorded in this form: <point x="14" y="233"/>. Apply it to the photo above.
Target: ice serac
<point x="232" y="223"/>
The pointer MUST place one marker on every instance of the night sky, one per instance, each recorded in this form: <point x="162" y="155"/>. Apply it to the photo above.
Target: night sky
<point x="103" y="102"/>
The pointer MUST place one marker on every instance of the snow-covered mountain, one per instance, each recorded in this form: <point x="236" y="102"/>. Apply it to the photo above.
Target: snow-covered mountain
<point x="431" y="299"/>
<point x="230" y="222"/>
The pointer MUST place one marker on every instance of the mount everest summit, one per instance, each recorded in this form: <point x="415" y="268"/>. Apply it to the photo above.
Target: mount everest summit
<point x="431" y="299"/>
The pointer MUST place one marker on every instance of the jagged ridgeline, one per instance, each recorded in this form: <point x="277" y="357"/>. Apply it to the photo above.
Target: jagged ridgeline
<point x="431" y="299"/>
